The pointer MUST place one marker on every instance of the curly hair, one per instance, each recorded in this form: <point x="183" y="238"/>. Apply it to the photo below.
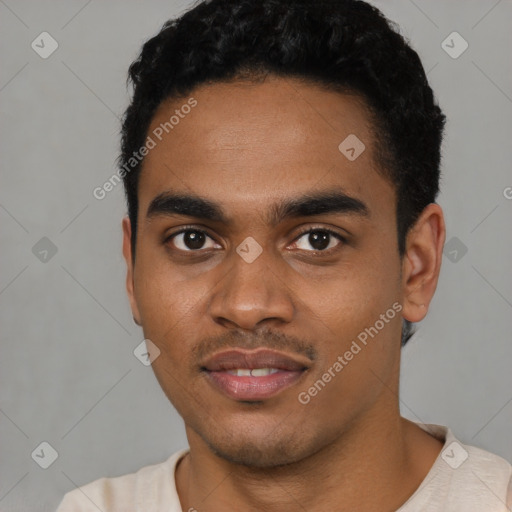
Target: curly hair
<point x="343" y="45"/>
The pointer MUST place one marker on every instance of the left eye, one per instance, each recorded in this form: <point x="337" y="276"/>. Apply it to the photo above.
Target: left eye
<point x="319" y="240"/>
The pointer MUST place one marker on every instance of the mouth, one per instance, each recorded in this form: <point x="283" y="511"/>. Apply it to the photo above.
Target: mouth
<point x="254" y="375"/>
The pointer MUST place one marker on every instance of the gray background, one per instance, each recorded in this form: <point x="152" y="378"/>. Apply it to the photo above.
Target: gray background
<point x="68" y="373"/>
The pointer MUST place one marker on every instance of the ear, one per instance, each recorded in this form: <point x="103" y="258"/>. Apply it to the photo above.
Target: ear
<point x="127" y="253"/>
<point x="422" y="262"/>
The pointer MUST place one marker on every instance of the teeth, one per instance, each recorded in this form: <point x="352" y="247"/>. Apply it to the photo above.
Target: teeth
<point x="255" y="372"/>
<point x="241" y="372"/>
<point x="261" y="372"/>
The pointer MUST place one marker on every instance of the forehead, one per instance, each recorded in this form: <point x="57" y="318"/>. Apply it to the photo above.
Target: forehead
<point x="245" y="144"/>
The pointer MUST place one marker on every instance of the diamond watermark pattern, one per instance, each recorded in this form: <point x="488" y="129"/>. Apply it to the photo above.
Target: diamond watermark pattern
<point x="44" y="250"/>
<point x="454" y="249"/>
<point x="44" y="45"/>
<point x="45" y="455"/>
<point x="351" y="147"/>
<point x="454" y="455"/>
<point x="146" y="352"/>
<point x="454" y="45"/>
<point x="249" y="249"/>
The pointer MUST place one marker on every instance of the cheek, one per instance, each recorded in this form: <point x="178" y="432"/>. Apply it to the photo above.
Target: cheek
<point x="168" y="309"/>
<point x="357" y="363"/>
<point x="163" y="300"/>
<point x="356" y="315"/>
<point x="353" y="297"/>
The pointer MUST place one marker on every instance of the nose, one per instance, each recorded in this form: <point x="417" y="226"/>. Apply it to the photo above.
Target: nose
<point x="252" y="295"/>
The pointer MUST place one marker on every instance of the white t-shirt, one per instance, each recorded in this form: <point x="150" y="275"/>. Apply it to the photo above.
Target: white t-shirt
<point x="462" y="479"/>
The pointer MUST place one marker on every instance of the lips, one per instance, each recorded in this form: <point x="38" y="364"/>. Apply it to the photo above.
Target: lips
<point x="263" y="358"/>
<point x="253" y="375"/>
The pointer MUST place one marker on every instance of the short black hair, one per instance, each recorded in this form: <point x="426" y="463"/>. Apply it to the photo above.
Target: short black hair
<point x="343" y="45"/>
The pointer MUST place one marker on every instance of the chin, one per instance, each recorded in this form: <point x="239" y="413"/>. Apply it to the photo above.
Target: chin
<point x="256" y="455"/>
<point x="259" y="447"/>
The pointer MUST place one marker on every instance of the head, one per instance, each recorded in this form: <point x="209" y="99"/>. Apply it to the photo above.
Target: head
<point x="309" y="127"/>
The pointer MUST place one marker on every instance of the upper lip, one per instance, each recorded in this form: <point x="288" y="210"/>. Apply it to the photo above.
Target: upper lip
<point x="251" y="359"/>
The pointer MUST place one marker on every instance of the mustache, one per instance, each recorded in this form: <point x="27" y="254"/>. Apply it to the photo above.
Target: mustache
<point x="263" y="338"/>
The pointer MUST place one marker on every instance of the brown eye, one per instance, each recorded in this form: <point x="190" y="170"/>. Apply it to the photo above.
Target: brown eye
<point x="318" y="240"/>
<point x="192" y="240"/>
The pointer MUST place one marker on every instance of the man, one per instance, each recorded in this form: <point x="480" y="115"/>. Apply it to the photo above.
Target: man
<point x="281" y="165"/>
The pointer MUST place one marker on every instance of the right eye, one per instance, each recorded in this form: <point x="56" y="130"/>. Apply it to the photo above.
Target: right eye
<point x="191" y="240"/>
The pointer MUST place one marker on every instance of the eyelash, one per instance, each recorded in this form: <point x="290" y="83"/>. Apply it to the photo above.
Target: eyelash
<point x="336" y="235"/>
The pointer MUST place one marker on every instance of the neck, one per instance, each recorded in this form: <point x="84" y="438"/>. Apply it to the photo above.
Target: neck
<point x="376" y="464"/>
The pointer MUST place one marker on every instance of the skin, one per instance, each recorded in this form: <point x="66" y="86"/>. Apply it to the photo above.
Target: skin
<point x="247" y="146"/>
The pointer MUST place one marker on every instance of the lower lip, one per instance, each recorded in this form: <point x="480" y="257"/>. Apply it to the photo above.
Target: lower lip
<point x="253" y="388"/>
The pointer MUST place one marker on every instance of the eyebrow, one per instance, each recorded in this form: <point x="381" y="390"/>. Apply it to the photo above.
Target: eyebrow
<point x="308" y="205"/>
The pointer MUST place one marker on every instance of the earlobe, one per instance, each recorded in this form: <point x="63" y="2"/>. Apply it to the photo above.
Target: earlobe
<point x="130" y="284"/>
<point x="422" y="262"/>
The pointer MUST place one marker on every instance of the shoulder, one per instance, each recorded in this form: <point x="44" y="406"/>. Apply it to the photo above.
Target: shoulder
<point x="488" y="471"/>
<point x="464" y="478"/>
<point x="483" y="481"/>
<point x="151" y="486"/>
<point x="467" y="462"/>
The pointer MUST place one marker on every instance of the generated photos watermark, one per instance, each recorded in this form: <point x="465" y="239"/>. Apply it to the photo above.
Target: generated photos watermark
<point x="305" y="397"/>
<point x="152" y="140"/>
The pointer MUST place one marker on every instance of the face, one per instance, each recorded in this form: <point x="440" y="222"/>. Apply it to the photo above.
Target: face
<point x="260" y="244"/>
